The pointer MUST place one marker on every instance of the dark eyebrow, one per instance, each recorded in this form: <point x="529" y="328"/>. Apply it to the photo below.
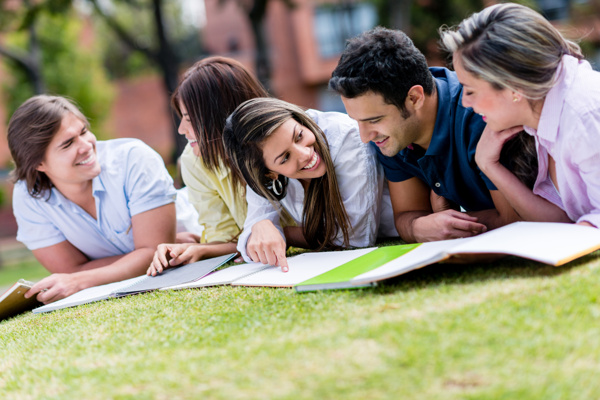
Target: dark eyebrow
<point x="63" y="144"/>
<point x="371" y="118"/>
<point x="285" y="151"/>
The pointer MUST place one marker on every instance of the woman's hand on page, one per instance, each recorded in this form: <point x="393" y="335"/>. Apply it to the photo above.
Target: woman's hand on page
<point x="266" y="245"/>
<point x="169" y="255"/>
<point x="56" y="287"/>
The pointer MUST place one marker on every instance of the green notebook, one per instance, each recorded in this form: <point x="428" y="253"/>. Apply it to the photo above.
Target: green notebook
<point x="339" y="278"/>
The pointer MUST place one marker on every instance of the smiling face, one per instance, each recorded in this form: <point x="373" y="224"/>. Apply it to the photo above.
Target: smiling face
<point x="496" y="107"/>
<point x="382" y="123"/>
<point x="290" y="151"/>
<point x="186" y="129"/>
<point x="70" y="159"/>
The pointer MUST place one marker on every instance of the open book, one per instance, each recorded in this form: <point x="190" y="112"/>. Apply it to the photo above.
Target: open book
<point x="13" y="301"/>
<point x="139" y="284"/>
<point x="549" y="243"/>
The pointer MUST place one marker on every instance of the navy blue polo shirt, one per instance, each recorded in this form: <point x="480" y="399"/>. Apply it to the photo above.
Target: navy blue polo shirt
<point x="448" y="166"/>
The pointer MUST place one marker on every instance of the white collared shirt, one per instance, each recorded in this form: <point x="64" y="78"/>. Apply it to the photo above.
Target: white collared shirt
<point x="361" y="184"/>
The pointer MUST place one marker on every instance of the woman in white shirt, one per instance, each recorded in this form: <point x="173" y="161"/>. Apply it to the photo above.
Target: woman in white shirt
<point x="308" y="167"/>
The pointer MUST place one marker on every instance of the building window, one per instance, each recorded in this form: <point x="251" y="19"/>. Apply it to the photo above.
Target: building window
<point x="334" y="23"/>
<point x="554" y="10"/>
<point x="328" y="100"/>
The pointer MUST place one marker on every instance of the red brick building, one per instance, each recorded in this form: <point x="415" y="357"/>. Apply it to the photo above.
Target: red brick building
<point x="304" y="43"/>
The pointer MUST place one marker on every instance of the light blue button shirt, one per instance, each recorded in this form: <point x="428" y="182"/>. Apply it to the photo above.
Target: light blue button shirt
<point x="133" y="179"/>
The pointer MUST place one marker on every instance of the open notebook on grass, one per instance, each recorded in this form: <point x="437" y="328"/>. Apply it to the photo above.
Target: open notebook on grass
<point x="301" y="268"/>
<point x="143" y="283"/>
<point x="549" y="243"/>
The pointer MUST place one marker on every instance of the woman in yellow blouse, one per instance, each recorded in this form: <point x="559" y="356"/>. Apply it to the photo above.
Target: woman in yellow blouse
<point x="208" y="92"/>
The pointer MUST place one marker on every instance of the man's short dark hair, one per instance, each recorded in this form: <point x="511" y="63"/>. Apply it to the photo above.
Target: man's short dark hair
<point x="382" y="61"/>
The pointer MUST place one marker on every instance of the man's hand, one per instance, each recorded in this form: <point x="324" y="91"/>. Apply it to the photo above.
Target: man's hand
<point x="448" y="224"/>
<point x="56" y="287"/>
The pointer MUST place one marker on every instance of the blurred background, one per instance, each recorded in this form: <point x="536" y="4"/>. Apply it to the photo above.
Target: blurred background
<point x="121" y="59"/>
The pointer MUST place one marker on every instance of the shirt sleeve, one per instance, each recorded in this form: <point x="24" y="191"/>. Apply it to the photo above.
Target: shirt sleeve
<point x="392" y="166"/>
<point x="148" y="184"/>
<point x="35" y="230"/>
<point x="213" y="213"/>
<point x="259" y="209"/>
<point x="585" y="153"/>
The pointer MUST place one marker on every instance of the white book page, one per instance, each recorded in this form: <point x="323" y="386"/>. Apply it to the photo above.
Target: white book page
<point x="222" y="277"/>
<point x="425" y="254"/>
<point x="89" y="295"/>
<point x="547" y="242"/>
<point x="301" y="267"/>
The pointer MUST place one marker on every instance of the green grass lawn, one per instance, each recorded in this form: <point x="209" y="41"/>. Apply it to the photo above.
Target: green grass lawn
<point x="512" y="329"/>
<point x="29" y="269"/>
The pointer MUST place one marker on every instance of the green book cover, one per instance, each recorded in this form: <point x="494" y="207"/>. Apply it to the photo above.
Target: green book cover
<point x="340" y="277"/>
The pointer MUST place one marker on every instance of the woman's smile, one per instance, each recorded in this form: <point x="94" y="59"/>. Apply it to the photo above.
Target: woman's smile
<point x="313" y="162"/>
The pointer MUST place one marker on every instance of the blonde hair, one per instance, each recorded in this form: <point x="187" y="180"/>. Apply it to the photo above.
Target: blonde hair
<point x="247" y="128"/>
<point x="510" y="46"/>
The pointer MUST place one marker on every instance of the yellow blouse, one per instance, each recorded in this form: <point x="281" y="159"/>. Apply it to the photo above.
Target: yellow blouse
<point x="221" y="209"/>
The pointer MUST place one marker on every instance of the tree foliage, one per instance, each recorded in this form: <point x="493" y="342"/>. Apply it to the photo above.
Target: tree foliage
<point x="42" y="53"/>
<point x="152" y="28"/>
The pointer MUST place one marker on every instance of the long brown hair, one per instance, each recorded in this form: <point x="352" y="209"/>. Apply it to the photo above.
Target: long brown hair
<point x="210" y="90"/>
<point x="324" y="214"/>
<point x="30" y="131"/>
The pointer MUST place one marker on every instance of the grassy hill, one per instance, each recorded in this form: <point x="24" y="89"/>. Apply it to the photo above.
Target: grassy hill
<point x="512" y="329"/>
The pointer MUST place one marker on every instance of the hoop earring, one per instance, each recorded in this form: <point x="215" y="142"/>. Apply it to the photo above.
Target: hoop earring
<point x="277" y="186"/>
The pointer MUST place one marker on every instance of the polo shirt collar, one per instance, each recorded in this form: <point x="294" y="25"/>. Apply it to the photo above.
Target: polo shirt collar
<point x="442" y="130"/>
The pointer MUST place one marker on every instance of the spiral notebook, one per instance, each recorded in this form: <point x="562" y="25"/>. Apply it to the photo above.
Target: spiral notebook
<point x="139" y="284"/>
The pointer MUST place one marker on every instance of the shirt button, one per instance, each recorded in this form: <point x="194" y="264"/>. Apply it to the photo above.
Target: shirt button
<point x="437" y="184"/>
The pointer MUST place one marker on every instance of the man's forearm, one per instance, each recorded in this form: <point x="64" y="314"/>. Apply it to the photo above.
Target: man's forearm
<point x="405" y="224"/>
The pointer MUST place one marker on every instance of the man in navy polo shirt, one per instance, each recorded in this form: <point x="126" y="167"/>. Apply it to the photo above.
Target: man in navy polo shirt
<point x="425" y="138"/>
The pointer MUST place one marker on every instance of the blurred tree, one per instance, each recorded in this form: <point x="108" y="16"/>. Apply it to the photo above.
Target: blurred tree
<point x="43" y="53"/>
<point x="427" y="16"/>
<point x="394" y="14"/>
<point x="421" y="19"/>
<point x="256" y="11"/>
<point x="152" y="28"/>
